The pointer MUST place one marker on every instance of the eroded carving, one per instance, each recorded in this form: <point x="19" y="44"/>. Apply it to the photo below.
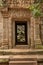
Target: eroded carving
<point x="20" y="3"/>
<point x="21" y="14"/>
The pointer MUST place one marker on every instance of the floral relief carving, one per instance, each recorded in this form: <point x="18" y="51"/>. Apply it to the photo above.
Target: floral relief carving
<point x="21" y="14"/>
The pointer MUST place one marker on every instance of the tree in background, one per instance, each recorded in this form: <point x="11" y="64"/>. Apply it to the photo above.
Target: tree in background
<point x="35" y="8"/>
<point x="3" y="3"/>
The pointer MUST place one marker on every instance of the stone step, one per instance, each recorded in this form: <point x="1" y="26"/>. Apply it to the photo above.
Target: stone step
<point x="23" y="63"/>
<point x="10" y="57"/>
<point x="23" y="57"/>
<point x="21" y="52"/>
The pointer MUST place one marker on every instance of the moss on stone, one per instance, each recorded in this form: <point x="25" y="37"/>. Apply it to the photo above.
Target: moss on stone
<point x="39" y="46"/>
<point x="4" y="60"/>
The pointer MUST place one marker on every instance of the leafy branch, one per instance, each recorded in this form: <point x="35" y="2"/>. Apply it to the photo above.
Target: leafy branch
<point x="35" y="9"/>
<point x="3" y="3"/>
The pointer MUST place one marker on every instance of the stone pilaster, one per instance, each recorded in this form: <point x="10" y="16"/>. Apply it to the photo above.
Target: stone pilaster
<point x="10" y="33"/>
<point x="32" y="32"/>
<point x="1" y="30"/>
<point x="37" y="32"/>
<point x="5" y="34"/>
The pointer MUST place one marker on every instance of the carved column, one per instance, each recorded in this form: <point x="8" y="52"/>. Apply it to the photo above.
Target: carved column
<point x="32" y="29"/>
<point x="6" y="29"/>
<point x="10" y="33"/>
<point x="32" y="32"/>
<point x="5" y="33"/>
<point x="1" y="30"/>
<point x="37" y="32"/>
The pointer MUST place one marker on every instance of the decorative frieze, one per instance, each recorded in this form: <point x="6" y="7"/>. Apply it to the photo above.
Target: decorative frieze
<point x="21" y="3"/>
<point x="20" y="13"/>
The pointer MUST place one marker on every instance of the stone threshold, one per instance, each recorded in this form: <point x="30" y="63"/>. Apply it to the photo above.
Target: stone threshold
<point x="23" y="62"/>
<point x="21" y="52"/>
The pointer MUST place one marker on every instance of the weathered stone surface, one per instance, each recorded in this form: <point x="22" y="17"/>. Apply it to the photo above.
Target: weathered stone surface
<point x="22" y="63"/>
<point x="1" y="29"/>
<point x="5" y="33"/>
<point x="19" y="3"/>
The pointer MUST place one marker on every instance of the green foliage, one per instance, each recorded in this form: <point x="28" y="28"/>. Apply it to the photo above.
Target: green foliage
<point x="39" y="46"/>
<point x="35" y="9"/>
<point x="3" y="3"/>
<point x="38" y="1"/>
<point x="4" y="60"/>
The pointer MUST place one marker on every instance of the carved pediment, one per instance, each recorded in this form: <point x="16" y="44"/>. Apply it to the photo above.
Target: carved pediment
<point x="20" y="3"/>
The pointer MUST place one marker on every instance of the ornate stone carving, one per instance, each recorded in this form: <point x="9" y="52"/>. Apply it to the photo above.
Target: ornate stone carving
<point x="21" y="14"/>
<point x="20" y="3"/>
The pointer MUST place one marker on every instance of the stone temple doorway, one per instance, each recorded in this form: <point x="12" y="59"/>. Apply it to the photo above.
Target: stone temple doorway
<point x="21" y="33"/>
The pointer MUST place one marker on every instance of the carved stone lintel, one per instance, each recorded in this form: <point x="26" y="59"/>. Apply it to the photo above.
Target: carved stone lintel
<point x="20" y="14"/>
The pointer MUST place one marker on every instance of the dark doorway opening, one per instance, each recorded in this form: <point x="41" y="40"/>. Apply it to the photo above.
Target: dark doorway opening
<point x="21" y="32"/>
